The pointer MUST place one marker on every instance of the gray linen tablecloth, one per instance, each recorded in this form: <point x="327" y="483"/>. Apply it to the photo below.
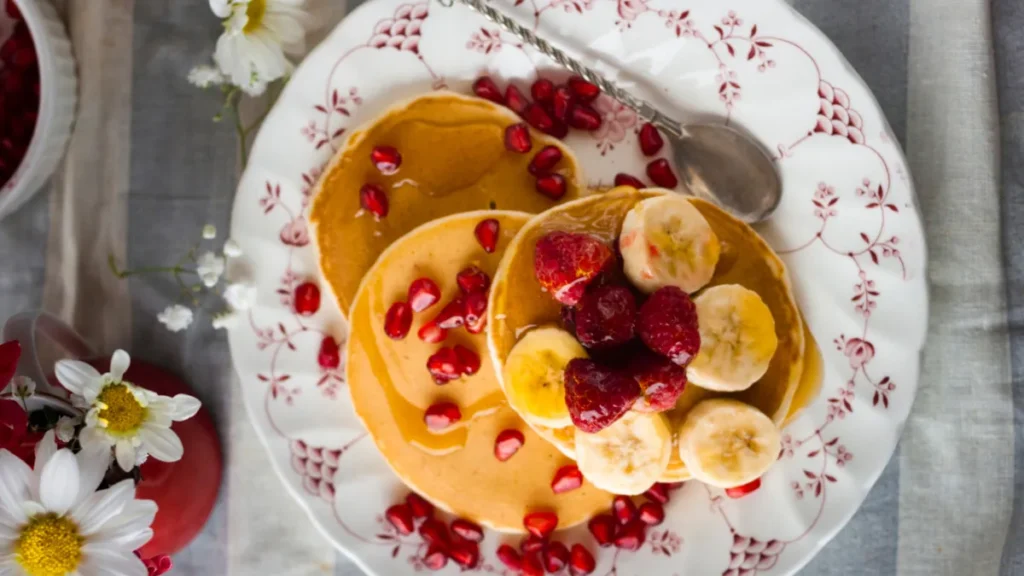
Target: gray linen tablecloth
<point x="146" y="169"/>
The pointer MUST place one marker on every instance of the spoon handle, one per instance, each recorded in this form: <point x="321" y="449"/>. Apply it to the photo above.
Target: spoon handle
<point x="644" y="109"/>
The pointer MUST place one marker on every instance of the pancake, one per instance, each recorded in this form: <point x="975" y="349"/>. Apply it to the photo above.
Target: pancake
<point x="518" y="303"/>
<point x="453" y="160"/>
<point x="391" y="388"/>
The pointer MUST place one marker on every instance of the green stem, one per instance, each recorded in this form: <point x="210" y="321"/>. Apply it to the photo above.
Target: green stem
<point x="243" y="136"/>
<point x="145" y="270"/>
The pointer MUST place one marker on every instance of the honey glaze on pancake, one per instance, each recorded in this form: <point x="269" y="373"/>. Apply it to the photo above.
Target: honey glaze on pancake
<point x="453" y="160"/>
<point x="391" y="389"/>
<point x="746" y="260"/>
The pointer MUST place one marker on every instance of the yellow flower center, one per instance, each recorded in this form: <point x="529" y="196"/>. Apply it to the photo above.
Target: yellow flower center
<point x="49" y="545"/>
<point x="254" y="11"/>
<point x="121" y="410"/>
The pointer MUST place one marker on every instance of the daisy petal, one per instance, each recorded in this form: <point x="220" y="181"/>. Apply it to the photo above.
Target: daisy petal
<point x="162" y="443"/>
<point x="93" y="462"/>
<point x="125" y="454"/>
<point x="185" y="407"/>
<point x="220" y="8"/>
<point x="9" y="566"/>
<point x="130" y="526"/>
<point x="45" y="450"/>
<point x="15" y="477"/>
<point x="105" y="561"/>
<point x="119" y="364"/>
<point x="79" y="378"/>
<point x="58" y="484"/>
<point x="100" y="507"/>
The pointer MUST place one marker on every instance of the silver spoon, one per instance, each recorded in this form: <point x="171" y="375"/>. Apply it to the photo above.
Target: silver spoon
<point x="717" y="162"/>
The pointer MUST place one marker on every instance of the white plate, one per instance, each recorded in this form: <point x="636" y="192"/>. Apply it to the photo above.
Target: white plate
<point x="847" y="228"/>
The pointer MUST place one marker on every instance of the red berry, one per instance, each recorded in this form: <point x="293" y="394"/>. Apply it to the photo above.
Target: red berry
<point x="400" y="516"/>
<point x="432" y="333"/>
<point x="306" y="299"/>
<point x="444" y="366"/>
<point x="741" y="491"/>
<point x="623" y="508"/>
<point x="583" y="90"/>
<point x="631" y="536"/>
<point x="434" y="532"/>
<point x="605" y="316"/>
<point x="329" y="356"/>
<point x="517" y="138"/>
<point x="551" y="185"/>
<point x="507" y="444"/>
<point x="545" y="160"/>
<point x="465" y="554"/>
<point x="398" y="320"/>
<point x="515" y="100"/>
<point x="532" y="565"/>
<point x="468" y="359"/>
<point x="603" y="528"/>
<point x="537" y="117"/>
<point x="581" y="561"/>
<point x="435" y="559"/>
<point x="658" y="493"/>
<point x="543" y="90"/>
<point x="386" y="159"/>
<point x="467" y="530"/>
<point x="566" y="478"/>
<point x="558" y="129"/>
<point x="622" y="179"/>
<point x="650" y="139"/>
<point x="561" y="102"/>
<point x="661" y="380"/>
<point x="486" y="233"/>
<point x="509" y="557"/>
<point x="373" y="199"/>
<point x="476" y="312"/>
<point x="13" y="11"/>
<point x="440" y="416"/>
<point x="452" y="315"/>
<point x="472" y="279"/>
<point x="485" y="88"/>
<point x="597" y="396"/>
<point x="568" y="317"/>
<point x="532" y="544"/>
<point x="556" y="556"/>
<point x="423" y="293"/>
<point x="419" y="506"/>
<point x="564" y="263"/>
<point x="651" y="513"/>
<point x="540" y="524"/>
<point x="661" y="174"/>
<point x="584" y="118"/>
<point x="667" y="324"/>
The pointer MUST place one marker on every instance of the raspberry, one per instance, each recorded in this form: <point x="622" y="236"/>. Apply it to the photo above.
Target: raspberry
<point x="667" y="324"/>
<point x="605" y="316"/>
<point x="661" y="380"/>
<point x="596" y="395"/>
<point x="565" y="263"/>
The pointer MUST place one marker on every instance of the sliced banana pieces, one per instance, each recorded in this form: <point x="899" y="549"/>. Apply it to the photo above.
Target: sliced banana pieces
<point x="533" y="375"/>
<point x="627" y="457"/>
<point x="727" y="443"/>
<point x="737" y="339"/>
<point x="665" y="241"/>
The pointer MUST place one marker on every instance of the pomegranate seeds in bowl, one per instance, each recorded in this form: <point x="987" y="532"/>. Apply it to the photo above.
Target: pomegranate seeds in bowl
<point x="19" y="98"/>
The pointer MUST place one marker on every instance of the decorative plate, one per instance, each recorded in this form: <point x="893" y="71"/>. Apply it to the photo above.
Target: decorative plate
<point x="847" y="228"/>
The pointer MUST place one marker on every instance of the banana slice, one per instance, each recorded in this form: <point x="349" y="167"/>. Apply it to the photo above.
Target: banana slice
<point x="727" y="443"/>
<point x="533" y="375"/>
<point x="627" y="457"/>
<point x="737" y="339"/>
<point x="665" y="241"/>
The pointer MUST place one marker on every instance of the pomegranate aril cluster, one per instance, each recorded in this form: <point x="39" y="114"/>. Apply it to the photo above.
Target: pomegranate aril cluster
<point x="19" y="95"/>
<point x="626" y="524"/>
<point x="538" y="553"/>
<point x="458" y="542"/>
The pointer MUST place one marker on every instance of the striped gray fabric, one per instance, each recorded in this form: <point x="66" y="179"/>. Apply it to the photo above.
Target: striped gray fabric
<point x="948" y="73"/>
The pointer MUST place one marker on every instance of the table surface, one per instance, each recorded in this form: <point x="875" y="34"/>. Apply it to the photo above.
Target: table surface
<point x="146" y="169"/>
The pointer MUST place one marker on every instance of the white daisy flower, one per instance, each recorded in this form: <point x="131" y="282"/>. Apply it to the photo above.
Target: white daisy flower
<point x="124" y="416"/>
<point x="232" y="249"/>
<point x="205" y="76"/>
<point x="210" y="267"/>
<point x="257" y="34"/>
<point x="55" y="522"/>
<point x="175" y="318"/>
<point x="209" y="232"/>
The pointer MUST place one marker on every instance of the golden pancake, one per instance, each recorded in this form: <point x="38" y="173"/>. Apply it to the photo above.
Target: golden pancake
<point x="518" y="302"/>
<point x="453" y="160"/>
<point x="391" y="388"/>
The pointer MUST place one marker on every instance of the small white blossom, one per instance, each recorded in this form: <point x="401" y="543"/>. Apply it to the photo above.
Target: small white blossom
<point x="23" y="387"/>
<point x="209" y="232"/>
<point x="210" y="267"/>
<point x="66" y="428"/>
<point x="205" y="76"/>
<point x="232" y="249"/>
<point x="240" y="296"/>
<point x="257" y="35"/>
<point x="175" y="318"/>
<point x="225" y="320"/>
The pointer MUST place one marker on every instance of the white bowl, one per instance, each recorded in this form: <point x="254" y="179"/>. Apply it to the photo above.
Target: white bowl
<point x="57" y="99"/>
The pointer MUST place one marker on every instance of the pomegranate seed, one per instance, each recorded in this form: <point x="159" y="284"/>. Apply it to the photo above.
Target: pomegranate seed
<point x="658" y="493"/>
<point x="551" y="185"/>
<point x="465" y="554"/>
<point x="24" y="57"/>
<point x="329" y="356"/>
<point x="431" y="333"/>
<point x="558" y="130"/>
<point x="540" y="524"/>
<point x="441" y="416"/>
<point x="661" y="173"/>
<point x="400" y="516"/>
<point x="472" y="279"/>
<point x="584" y="118"/>
<point x="651" y="513"/>
<point x="556" y="556"/>
<point x="435" y="558"/>
<point x="561" y="101"/>
<point x="538" y="118"/>
<point x="386" y="159"/>
<point x="476" y="312"/>
<point x="741" y="491"/>
<point x="517" y="138"/>
<point x="373" y="199"/>
<point x="467" y="530"/>
<point x="12" y="10"/>
<point x="507" y="444"/>
<point x="434" y="532"/>
<point x="532" y="565"/>
<point x="485" y="88"/>
<point x="567" y="478"/>
<point x="444" y="366"/>
<point x="650" y="139"/>
<point x="532" y="544"/>
<point x="306" y="299"/>
<point x="622" y="179"/>
<point x="509" y="557"/>
<point x="545" y="160"/>
<point x="631" y="536"/>
<point x="452" y="315"/>
<point x="581" y="561"/>
<point x="468" y="360"/>
<point x="398" y="320"/>
<point x="420" y="507"/>
<point x="603" y="529"/>
<point x="515" y="100"/>
<point x="423" y="293"/>
<point x="583" y="90"/>
<point x="486" y="233"/>
<point x="623" y="508"/>
<point x="543" y="90"/>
